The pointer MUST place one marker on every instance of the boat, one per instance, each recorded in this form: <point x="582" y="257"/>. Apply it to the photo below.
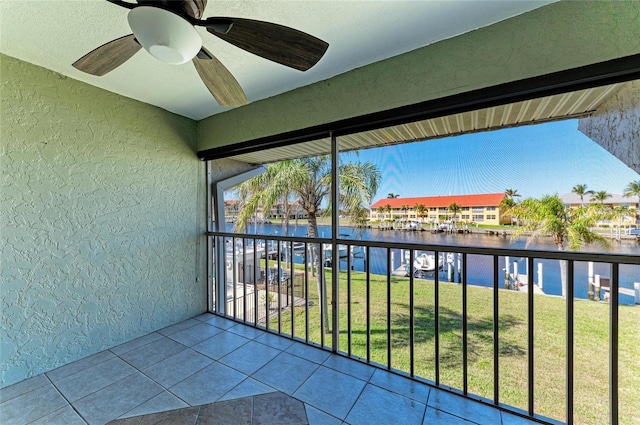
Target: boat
<point x="357" y="251"/>
<point x="406" y="225"/>
<point x="426" y="263"/>
<point x="342" y="250"/>
<point x="299" y="247"/>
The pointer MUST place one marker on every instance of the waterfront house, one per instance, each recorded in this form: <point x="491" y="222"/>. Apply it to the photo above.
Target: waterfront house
<point x="614" y="201"/>
<point x="112" y="279"/>
<point x="474" y="208"/>
<point x="231" y="209"/>
<point x="279" y="209"/>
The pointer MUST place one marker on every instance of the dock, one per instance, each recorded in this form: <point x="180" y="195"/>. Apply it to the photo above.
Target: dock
<point x="524" y="287"/>
<point x="604" y="284"/>
<point x="401" y="271"/>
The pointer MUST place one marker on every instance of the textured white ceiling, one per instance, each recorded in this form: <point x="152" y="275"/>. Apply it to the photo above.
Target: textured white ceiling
<point x="55" y="33"/>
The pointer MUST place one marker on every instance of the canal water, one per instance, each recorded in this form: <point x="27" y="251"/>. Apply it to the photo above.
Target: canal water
<point x="479" y="267"/>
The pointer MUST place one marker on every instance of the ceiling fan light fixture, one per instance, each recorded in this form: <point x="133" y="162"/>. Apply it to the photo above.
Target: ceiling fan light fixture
<point x="166" y="36"/>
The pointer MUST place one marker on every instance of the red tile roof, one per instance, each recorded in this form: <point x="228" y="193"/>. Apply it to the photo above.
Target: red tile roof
<point x="479" y="200"/>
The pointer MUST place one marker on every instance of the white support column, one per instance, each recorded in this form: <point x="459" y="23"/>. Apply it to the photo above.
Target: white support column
<point x="220" y="249"/>
<point x="540" y="280"/>
<point x="590" y="280"/>
<point x="507" y="268"/>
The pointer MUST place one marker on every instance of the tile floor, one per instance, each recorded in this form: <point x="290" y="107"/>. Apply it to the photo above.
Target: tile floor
<point x="210" y="359"/>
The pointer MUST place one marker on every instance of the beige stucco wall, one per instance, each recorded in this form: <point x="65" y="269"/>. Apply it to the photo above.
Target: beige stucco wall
<point x="556" y="37"/>
<point x="616" y="125"/>
<point x="102" y="216"/>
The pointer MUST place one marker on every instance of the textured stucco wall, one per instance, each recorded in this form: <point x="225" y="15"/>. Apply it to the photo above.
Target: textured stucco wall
<point x="616" y="125"/>
<point x="102" y="216"/>
<point x="560" y="36"/>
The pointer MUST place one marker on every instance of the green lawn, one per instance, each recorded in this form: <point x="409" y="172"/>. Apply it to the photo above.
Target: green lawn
<point x="591" y="343"/>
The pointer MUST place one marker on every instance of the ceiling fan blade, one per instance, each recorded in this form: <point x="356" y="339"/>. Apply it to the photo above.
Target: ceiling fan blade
<point x="222" y="85"/>
<point x="274" y="42"/>
<point x="109" y="56"/>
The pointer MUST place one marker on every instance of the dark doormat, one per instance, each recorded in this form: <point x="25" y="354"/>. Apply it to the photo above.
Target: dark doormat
<point x="266" y="409"/>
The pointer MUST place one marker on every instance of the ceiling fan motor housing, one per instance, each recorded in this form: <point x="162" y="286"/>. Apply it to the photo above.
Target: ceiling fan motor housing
<point x="165" y="35"/>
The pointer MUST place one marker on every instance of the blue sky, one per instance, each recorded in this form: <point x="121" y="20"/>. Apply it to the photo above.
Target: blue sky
<point x="535" y="160"/>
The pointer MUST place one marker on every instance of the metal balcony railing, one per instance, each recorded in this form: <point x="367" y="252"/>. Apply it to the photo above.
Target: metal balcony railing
<point x="390" y="305"/>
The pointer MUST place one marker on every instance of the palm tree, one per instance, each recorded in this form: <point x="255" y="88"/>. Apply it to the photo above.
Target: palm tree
<point x="512" y="193"/>
<point x="420" y="209"/>
<point x="549" y="217"/>
<point x="600" y="196"/>
<point x="309" y="181"/>
<point x="581" y="190"/>
<point x="380" y="211"/>
<point x="454" y="209"/>
<point x="505" y="207"/>
<point x="388" y="210"/>
<point x="359" y="217"/>
<point x="621" y="213"/>
<point x="508" y="202"/>
<point x="405" y="208"/>
<point x="392" y="195"/>
<point x="254" y="195"/>
<point x="633" y="189"/>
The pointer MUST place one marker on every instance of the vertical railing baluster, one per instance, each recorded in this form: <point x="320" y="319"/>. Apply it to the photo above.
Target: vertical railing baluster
<point x="322" y="292"/>
<point x="215" y="273"/>
<point x="412" y="336"/>
<point x="279" y="280"/>
<point x="569" y="342"/>
<point x="465" y="323"/>
<point x="211" y="282"/>
<point x="292" y="285"/>
<point x="234" y="276"/>
<point x="244" y="279"/>
<point x="349" y="247"/>
<point x="223" y="275"/>
<point x="368" y="302"/>
<point x="614" y="298"/>
<point x="220" y="277"/>
<point x="389" y="266"/>
<point x="436" y="315"/>
<point x="306" y="292"/>
<point x="530" y="335"/>
<point x="267" y="299"/>
<point x="496" y="330"/>
<point x="256" y="268"/>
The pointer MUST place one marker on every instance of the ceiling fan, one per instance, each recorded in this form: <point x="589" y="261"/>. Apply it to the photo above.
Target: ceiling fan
<point x="166" y="29"/>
